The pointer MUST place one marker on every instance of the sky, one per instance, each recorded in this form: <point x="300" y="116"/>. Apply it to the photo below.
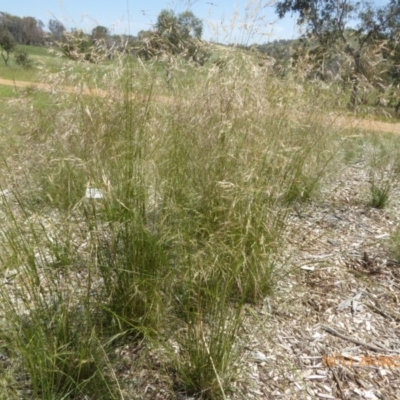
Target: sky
<point x="241" y="22"/>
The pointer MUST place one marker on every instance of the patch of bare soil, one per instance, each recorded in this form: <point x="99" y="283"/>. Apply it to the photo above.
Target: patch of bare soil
<point x="332" y="329"/>
<point x="368" y="124"/>
<point x="48" y="87"/>
<point x="77" y="90"/>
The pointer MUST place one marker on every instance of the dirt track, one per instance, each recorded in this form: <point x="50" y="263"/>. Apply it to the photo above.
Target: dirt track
<point x="44" y="86"/>
<point x="350" y="122"/>
<point x="369" y="124"/>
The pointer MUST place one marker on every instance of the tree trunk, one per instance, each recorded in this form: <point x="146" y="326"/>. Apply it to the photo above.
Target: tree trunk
<point x="5" y="58"/>
<point x="353" y="96"/>
<point x="397" y="107"/>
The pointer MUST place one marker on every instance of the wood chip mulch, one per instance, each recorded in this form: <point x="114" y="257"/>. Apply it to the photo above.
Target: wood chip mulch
<point x="332" y="328"/>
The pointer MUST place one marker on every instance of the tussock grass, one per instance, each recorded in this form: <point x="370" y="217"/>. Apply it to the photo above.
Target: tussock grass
<point x="196" y="189"/>
<point x="379" y="155"/>
<point x="380" y="192"/>
<point x="383" y="158"/>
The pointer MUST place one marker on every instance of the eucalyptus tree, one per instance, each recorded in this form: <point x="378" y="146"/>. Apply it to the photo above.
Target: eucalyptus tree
<point x="357" y="31"/>
<point x="7" y="45"/>
<point x="57" y="29"/>
<point x="174" y="35"/>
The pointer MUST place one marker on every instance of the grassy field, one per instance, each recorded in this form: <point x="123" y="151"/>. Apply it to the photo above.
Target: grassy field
<point x="136" y="221"/>
<point x="40" y="56"/>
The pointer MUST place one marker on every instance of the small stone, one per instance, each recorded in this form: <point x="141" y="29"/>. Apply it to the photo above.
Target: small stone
<point x="258" y="357"/>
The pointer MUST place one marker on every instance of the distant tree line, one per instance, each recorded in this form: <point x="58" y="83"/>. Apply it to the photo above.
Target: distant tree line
<point x="31" y="31"/>
<point x="74" y="43"/>
<point x="25" y="30"/>
<point x="172" y="35"/>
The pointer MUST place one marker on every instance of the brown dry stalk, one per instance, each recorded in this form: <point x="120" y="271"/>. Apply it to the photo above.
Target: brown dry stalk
<point x="356" y="341"/>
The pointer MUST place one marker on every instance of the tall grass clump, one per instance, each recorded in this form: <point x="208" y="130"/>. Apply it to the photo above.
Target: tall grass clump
<point x="50" y="324"/>
<point x="382" y="159"/>
<point x="379" y="192"/>
<point x="232" y="161"/>
<point x="193" y="196"/>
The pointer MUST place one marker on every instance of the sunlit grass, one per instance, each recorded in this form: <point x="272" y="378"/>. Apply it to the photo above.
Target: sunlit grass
<point x="194" y="186"/>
